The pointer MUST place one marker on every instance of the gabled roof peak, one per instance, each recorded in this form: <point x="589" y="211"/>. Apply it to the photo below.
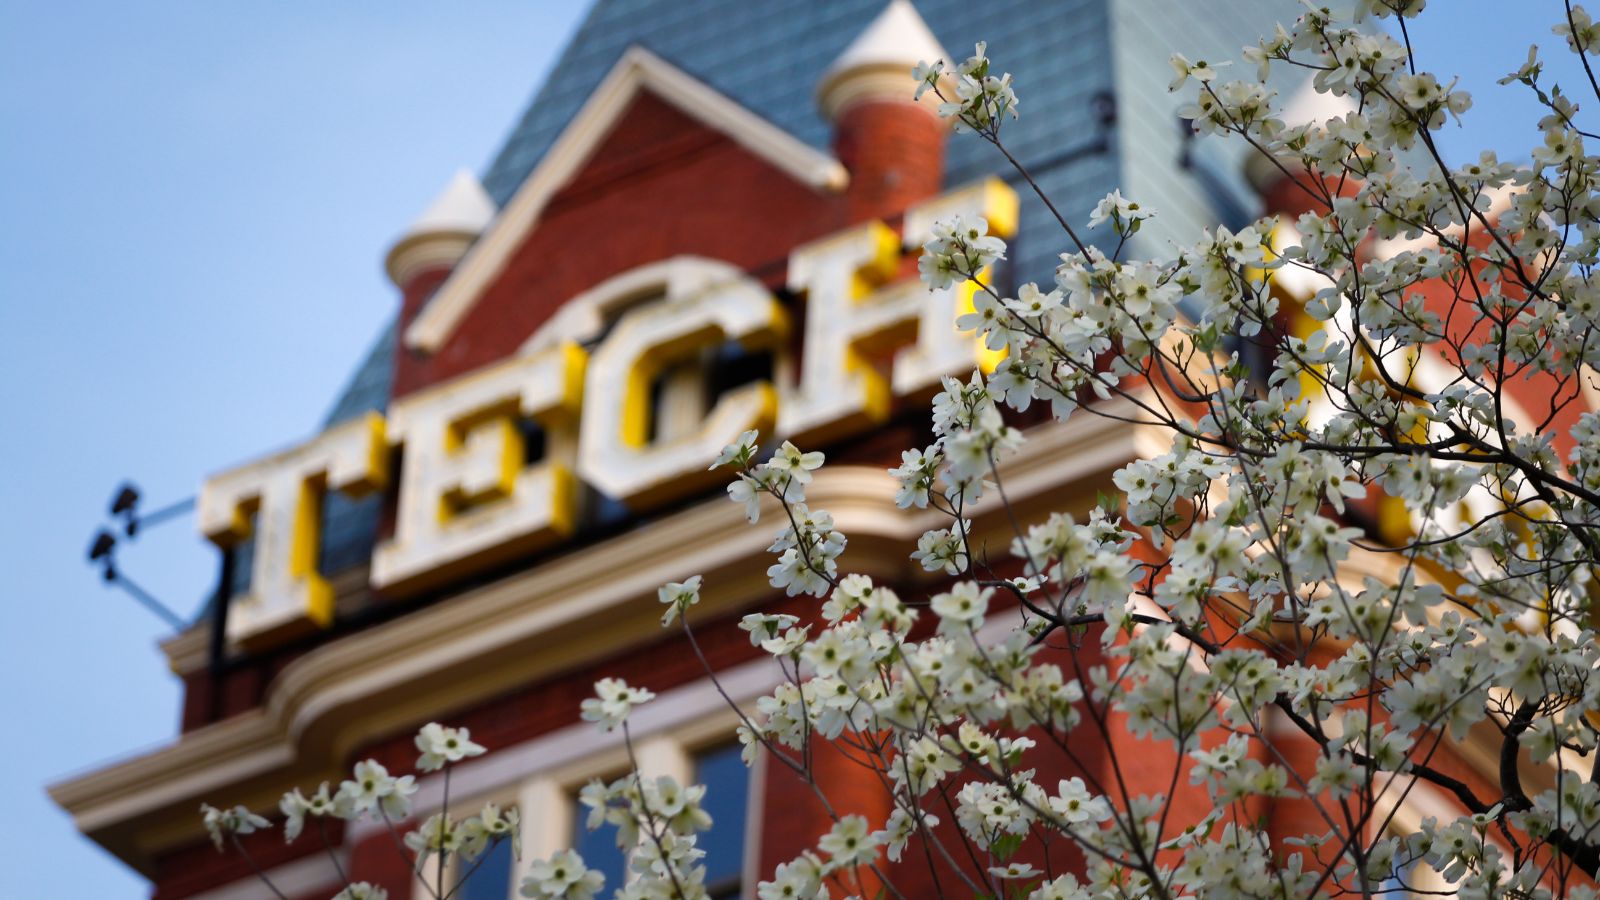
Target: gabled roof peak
<point x="637" y="71"/>
<point x="890" y="45"/>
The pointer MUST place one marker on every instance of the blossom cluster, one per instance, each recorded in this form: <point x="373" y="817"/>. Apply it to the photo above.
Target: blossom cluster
<point x="371" y="791"/>
<point x="656" y="822"/>
<point x="1234" y="580"/>
<point x="1367" y="538"/>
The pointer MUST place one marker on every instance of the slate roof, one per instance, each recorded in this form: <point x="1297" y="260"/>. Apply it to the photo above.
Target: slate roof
<point x="368" y="388"/>
<point x="350" y="527"/>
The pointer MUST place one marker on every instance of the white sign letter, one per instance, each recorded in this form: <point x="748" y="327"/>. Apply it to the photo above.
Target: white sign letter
<point x="849" y="321"/>
<point x="279" y="501"/>
<point x="619" y="456"/>
<point x="468" y="496"/>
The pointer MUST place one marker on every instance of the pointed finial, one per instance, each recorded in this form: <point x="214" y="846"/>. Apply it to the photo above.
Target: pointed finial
<point x="877" y="64"/>
<point x="441" y="235"/>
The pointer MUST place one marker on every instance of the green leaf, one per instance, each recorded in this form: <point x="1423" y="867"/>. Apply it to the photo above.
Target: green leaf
<point x="1004" y="848"/>
<point x="1107" y="502"/>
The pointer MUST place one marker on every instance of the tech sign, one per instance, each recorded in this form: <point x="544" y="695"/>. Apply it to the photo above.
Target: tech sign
<point x="615" y="383"/>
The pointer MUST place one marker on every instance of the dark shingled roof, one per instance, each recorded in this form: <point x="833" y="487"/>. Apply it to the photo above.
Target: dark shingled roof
<point x="350" y="527"/>
<point x="368" y="389"/>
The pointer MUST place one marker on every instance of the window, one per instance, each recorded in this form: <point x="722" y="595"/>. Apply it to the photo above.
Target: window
<point x="490" y="876"/>
<point x="544" y="777"/>
<point x="727" y="799"/>
<point x="599" y="848"/>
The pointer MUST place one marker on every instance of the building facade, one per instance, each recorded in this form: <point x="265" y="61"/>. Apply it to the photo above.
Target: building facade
<point x="707" y="221"/>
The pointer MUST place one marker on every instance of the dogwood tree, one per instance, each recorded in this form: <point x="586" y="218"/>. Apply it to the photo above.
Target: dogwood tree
<point x="1420" y="340"/>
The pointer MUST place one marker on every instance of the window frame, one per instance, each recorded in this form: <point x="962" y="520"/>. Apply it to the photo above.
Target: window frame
<point x="552" y="791"/>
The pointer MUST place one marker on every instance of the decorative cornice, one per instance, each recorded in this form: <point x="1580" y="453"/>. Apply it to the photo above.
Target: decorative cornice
<point x="879" y="84"/>
<point x="421" y="252"/>
<point x="527" y="626"/>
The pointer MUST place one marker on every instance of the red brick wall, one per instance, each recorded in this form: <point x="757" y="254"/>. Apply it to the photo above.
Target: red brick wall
<point x="376" y="859"/>
<point x="661" y="184"/>
<point x="200" y="867"/>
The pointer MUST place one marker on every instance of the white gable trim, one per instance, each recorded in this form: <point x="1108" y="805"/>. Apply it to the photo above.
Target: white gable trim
<point x="583" y="318"/>
<point x="639" y="69"/>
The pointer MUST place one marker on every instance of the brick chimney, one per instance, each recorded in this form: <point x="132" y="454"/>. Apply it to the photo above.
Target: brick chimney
<point x="892" y="145"/>
<point x="423" y="256"/>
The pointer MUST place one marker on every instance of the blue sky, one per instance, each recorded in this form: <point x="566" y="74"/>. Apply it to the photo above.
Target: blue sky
<point x="194" y="209"/>
<point x="195" y="204"/>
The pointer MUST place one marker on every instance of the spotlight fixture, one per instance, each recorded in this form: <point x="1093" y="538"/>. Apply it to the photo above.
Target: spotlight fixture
<point x="103" y="547"/>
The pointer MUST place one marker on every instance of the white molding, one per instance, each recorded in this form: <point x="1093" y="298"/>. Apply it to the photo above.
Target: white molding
<point x="420" y="253"/>
<point x="638" y="70"/>
<point x="754" y="819"/>
<point x="542" y="775"/>
<point x="583" y="318"/>
<point x="295" y="879"/>
<point x="886" y="84"/>
<point x="550" y="832"/>
<point x="563" y="760"/>
<point x="527" y="626"/>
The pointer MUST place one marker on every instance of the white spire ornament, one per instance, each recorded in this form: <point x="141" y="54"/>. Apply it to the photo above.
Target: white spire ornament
<point x="441" y="235"/>
<point x="877" y="64"/>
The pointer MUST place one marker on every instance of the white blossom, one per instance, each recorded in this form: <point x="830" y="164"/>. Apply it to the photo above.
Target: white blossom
<point x="441" y="746"/>
<point x="562" y="877"/>
<point x="612" y="703"/>
<point x="223" y="823"/>
<point x="678" y="597"/>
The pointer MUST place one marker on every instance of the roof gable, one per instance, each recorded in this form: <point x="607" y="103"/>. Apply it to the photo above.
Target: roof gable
<point x="638" y="71"/>
<point x="769" y="57"/>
